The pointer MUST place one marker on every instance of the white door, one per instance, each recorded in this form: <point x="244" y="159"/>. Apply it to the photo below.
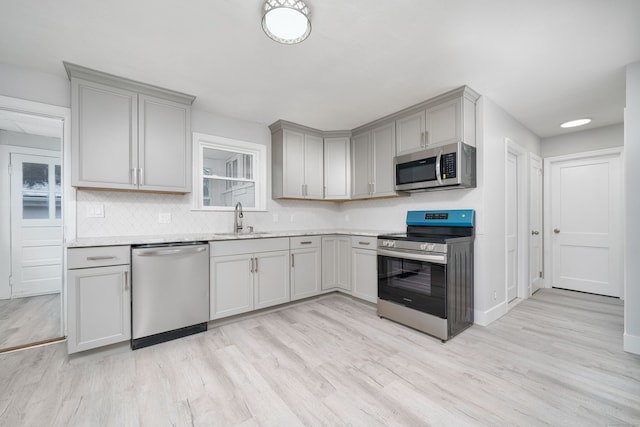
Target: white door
<point x="36" y="225"/>
<point x="512" y="226"/>
<point x="535" y="223"/>
<point x="586" y="218"/>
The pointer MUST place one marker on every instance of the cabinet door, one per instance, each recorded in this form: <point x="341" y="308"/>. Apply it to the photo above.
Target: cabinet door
<point x="343" y="263"/>
<point x="337" y="182"/>
<point x="293" y="163"/>
<point x="336" y="265"/>
<point x="361" y="164"/>
<point x="384" y="149"/>
<point x="314" y="165"/>
<point x="99" y="310"/>
<point x="444" y="123"/>
<point x="410" y="133"/>
<point x="104" y="136"/>
<point x="231" y="285"/>
<point x="271" y="279"/>
<point x="164" y="145"/>
<point x="364" y="265"/>
<point x="305" y="273"/>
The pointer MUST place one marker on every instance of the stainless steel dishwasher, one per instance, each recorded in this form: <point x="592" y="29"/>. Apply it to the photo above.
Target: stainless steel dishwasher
<point x="169" y="291"/>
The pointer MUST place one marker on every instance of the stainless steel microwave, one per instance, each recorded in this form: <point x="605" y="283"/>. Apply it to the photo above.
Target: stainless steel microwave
<point x="437" y="168"/>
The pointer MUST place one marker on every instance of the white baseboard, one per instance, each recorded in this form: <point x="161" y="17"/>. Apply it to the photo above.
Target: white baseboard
<point x="631" y="343"/>
<point x="483" y="318"/>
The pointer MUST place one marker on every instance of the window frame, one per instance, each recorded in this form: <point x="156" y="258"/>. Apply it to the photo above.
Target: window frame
<point x="259" y="169"/>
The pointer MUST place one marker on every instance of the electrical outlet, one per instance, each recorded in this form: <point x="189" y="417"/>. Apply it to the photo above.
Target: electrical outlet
<point x="164" y="218"/>
<point x="95" y="211"/>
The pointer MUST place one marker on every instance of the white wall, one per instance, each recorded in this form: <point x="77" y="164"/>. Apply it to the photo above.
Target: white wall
<point x="488" y="199"/>
<point x="582" y="141"/>
<point x="632" y="211"/>
<point x="35" y="86"/>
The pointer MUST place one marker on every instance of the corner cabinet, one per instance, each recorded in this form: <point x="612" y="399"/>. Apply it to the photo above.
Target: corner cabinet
<point x="248" y="275"/>
<point x="372" y="153"/>
<point x="447" y="118"/>
<point x="337" y="168"/>
<point x="297" y="162"/>
<point x="128" y="135"/>
<point x="336" y="263"/>
<point x="306" y="266"/>
<point x="98" y="297"/>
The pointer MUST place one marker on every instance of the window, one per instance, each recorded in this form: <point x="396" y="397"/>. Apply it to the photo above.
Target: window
<point x="229" y="171"/>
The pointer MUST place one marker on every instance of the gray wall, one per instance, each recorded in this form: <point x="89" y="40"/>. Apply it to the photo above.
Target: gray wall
<point x="585" y="140"/>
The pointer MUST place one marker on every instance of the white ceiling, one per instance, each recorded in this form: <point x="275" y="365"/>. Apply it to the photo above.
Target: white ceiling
<point x="544" y="61"/>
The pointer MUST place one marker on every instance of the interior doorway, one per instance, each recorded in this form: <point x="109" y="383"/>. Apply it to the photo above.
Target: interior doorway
<point x="583" y="221"/>
<point x="33" y="187"/>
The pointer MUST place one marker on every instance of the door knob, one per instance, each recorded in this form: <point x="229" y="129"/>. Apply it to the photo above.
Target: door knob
<point x="556" y="230"/>
<point x="535" y="233"/>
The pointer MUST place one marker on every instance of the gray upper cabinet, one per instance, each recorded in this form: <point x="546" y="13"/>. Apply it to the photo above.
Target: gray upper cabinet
<point x="337" y="168"/>
<point x="297" y="162"/>
<point x="128" y="135"/>
<point x="372" y="162"/>
<point x="442" y="120"/>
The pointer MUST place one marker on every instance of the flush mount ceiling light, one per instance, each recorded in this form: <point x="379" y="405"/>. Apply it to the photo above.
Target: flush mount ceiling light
<point x="286" y="21"/>
<point x="575" y="123"/>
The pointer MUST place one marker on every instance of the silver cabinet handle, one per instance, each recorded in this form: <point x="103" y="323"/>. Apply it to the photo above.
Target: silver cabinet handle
<point x="256" y="269"/>
<point x="293" y="263"/>
<point x="100" y="258"/>
<point x="126" y="280"/>
<point x="535" y="233"/>
<point x="364" y="243"/>
<point x="306" y="242"/>
<point x="134" y="176"/>
<point x="140" y="176"/>
<point x="251" y="264"/>
<point x="426" y="138"/>
<point x="555" y="230"/>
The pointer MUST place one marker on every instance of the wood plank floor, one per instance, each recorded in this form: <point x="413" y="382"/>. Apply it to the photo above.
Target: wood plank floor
<point x="30" y="319"/>
<point x="555" y="359"/>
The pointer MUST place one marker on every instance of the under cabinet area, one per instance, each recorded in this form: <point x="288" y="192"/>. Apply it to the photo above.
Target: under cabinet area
<point x="98" y="297"/>
<point x="306" y="266"/>
<point x="442" y="120"/>
<point x="336" y="263"/>
<point x="128" y="135"/>
<point x="247" y="275"/>
<point x="364" y="268"/>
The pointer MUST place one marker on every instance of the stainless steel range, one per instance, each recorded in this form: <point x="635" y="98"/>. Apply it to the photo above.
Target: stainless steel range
<point x="425" y="276"/>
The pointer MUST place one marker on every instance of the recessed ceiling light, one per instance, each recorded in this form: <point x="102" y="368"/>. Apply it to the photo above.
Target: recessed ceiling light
<point x="575" y="123"/>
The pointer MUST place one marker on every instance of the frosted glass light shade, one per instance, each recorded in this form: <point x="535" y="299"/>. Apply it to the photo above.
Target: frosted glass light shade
<point x="575" y="123"/>
<point x="286" y="21"/>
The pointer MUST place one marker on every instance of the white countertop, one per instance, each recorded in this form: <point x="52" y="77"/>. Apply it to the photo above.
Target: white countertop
<point x="168" y="238"/>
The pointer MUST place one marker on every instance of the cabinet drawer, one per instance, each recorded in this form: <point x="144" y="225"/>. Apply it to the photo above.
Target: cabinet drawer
<point x="302" y="242"/>
<point x="364" y="242"/>
<point x="248" y="246"/>
<point x="98" y="256"/>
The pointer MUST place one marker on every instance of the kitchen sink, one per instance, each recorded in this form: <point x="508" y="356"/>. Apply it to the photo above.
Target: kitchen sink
<point x="251" y="234"/>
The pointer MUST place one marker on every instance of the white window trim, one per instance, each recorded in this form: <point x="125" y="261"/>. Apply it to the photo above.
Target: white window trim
<point x="201" y="141"/>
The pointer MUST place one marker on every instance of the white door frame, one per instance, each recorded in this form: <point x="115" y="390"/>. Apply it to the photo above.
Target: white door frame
<point x="533" y="158"/>
<point x="522" y="155"/>
<point x="548" y="163"/>
<point x="68" y="192"/>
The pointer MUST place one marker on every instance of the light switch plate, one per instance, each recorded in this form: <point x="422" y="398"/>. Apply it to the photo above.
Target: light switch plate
<point x="164" y="218"/>
<point x="95" y="211"/>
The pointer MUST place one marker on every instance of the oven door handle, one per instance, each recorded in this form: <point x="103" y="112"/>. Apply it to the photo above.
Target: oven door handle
<point x="436" y="259"/>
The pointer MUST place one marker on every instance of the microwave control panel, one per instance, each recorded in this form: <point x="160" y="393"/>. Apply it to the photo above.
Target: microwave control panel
<point x="448" y="165"/>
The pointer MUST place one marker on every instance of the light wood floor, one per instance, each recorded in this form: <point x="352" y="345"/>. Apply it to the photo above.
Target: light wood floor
<point x="30" y="319"/>
<point x="555" y="359"/>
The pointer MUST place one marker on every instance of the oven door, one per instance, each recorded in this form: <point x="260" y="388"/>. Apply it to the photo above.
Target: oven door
<point x="415" y="281"/>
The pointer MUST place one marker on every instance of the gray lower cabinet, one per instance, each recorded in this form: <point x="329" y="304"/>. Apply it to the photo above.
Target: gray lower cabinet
<point x="336" y="263"/>
<point x="248" y="275"/>
<point x="98" y="297"/>
<point x="364" y="268"/>
<point x="128" y="135"/>
<point x="306" y="266"/>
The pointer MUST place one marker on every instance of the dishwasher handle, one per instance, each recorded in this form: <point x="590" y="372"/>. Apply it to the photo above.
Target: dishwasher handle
<point x="168" y="251"/>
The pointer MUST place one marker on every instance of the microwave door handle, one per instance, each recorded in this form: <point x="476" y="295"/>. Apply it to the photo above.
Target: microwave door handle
<point x="438" y="168"/>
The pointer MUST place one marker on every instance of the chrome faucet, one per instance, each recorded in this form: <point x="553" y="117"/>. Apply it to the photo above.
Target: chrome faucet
<point x="237" y="223"/>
